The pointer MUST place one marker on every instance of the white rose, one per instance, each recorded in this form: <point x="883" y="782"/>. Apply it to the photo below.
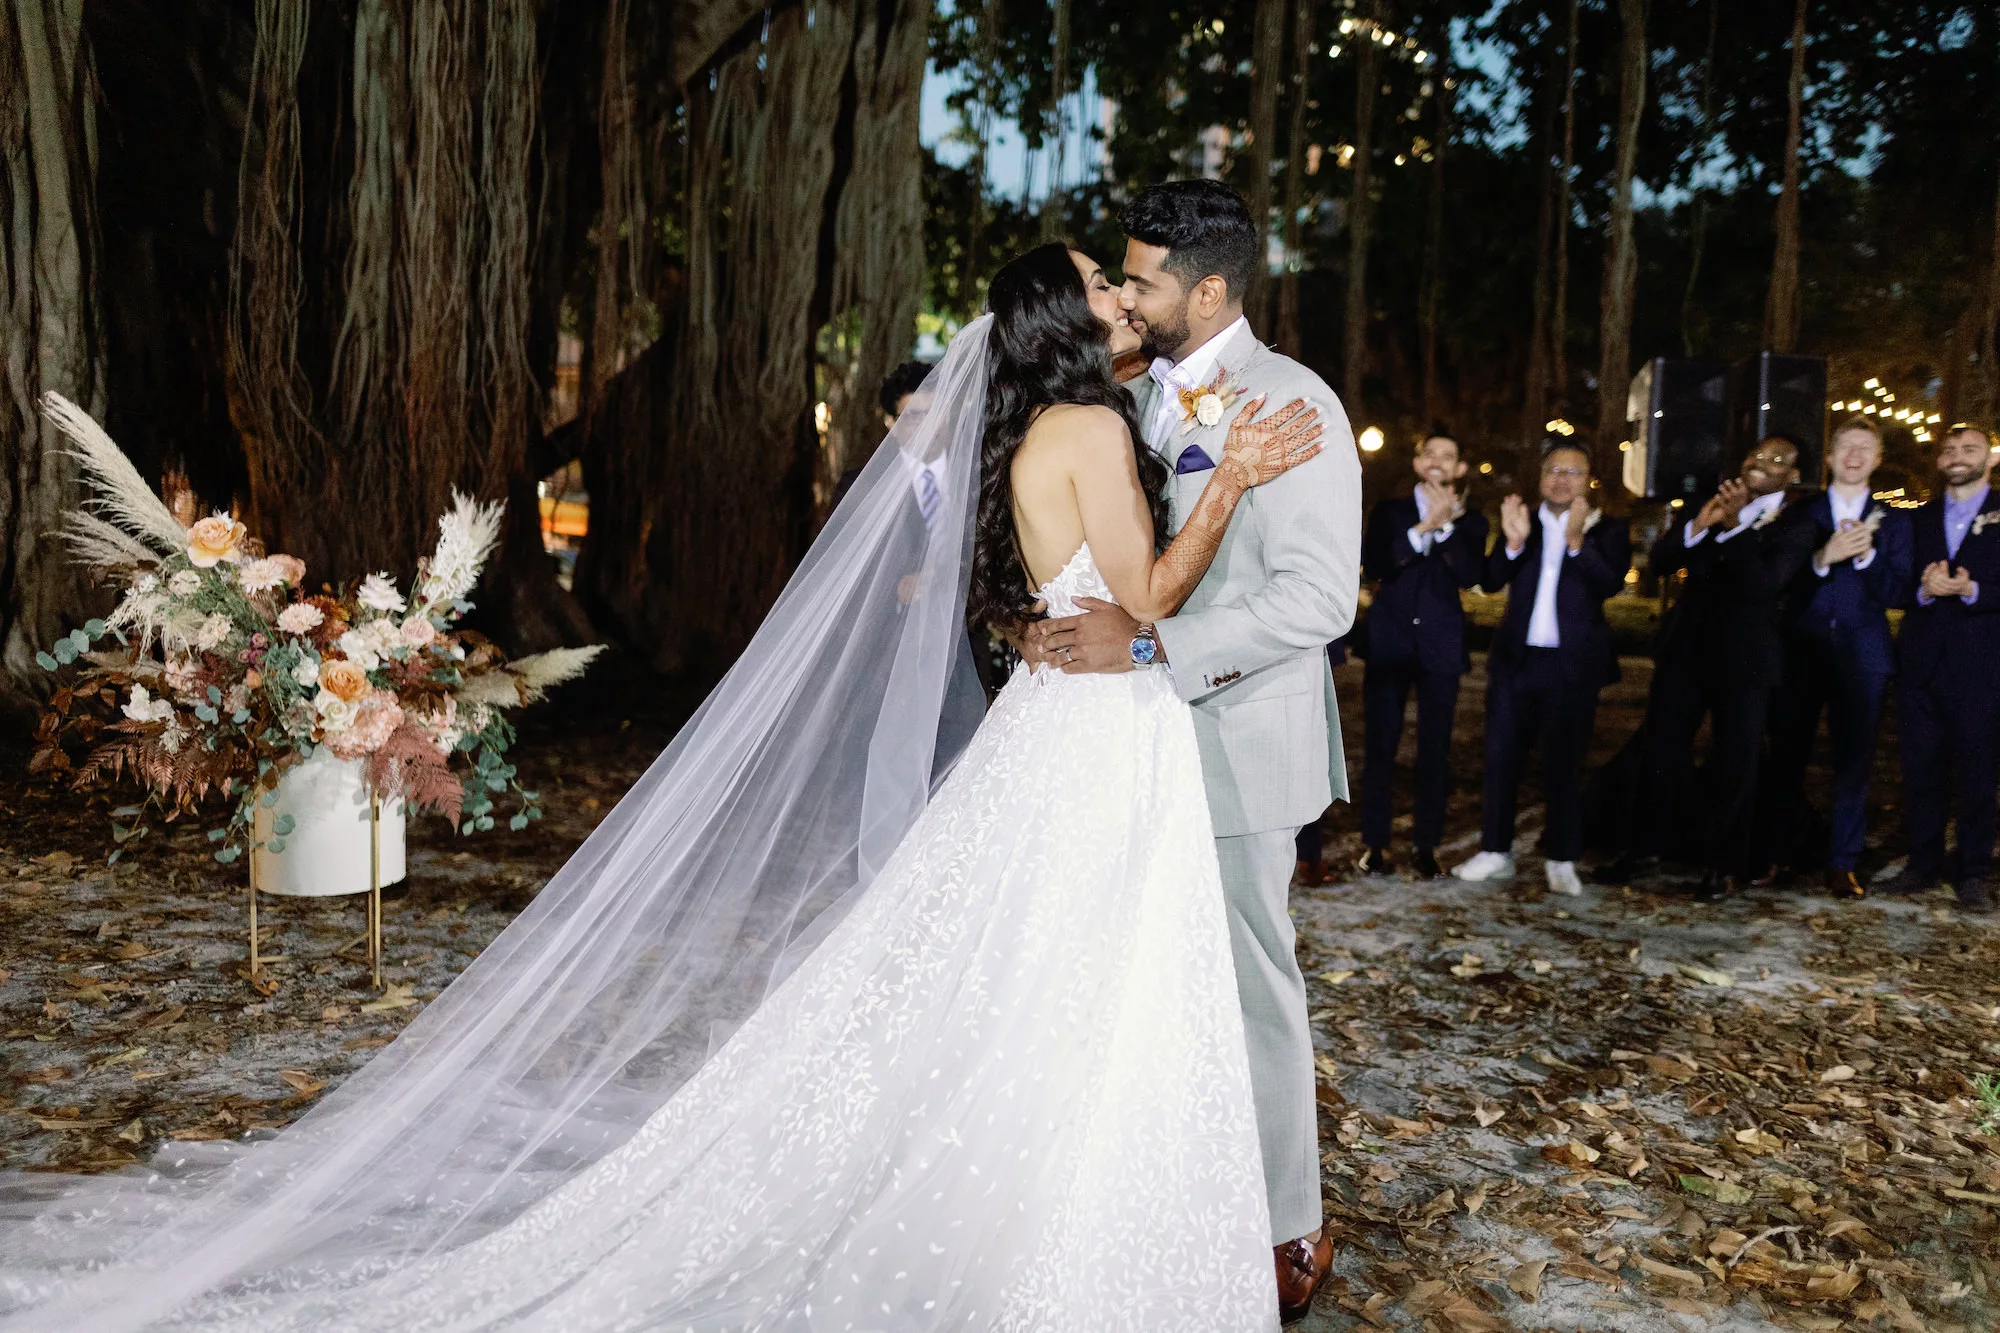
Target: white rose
<point x="145" y="708"/>
<point x="335" y="713"/>
<point x="358" y="647"/>
<point x="306" y="672"/>
<point x="184" y="584"/>
<point x="378" y="593"/>
<point x="1208" y="409"/>
<point x="213" y="631"/>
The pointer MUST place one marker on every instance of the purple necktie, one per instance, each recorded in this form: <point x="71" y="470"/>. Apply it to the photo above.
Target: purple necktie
<point x="1192" y="459"/>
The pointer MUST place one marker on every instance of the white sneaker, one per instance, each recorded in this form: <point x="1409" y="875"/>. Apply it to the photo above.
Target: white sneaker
<point x="1485" y="866"/>
<point x="1562" y="878"/>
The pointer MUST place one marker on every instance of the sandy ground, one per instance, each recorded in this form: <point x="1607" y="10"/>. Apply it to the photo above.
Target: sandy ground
<point x="1623" y="1111"/>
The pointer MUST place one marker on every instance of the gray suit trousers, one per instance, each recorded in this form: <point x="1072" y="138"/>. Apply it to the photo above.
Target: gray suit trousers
<point x="1256" y="890"/>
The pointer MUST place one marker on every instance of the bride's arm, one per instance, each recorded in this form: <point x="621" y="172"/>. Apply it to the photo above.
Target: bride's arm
<point x="1119" y="527"/>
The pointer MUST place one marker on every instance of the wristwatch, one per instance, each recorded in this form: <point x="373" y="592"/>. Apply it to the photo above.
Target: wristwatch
<point x="1145" y="646"/>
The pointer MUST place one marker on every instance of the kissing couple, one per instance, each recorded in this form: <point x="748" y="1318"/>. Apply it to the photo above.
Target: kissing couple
<point x="835" y="1024"/>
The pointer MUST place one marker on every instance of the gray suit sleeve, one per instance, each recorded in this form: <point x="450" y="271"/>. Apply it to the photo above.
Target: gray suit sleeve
<point x="1310" y="524"/>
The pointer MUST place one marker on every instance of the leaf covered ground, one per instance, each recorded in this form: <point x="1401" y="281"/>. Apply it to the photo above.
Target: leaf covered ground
<point x="1623" y="1111"/>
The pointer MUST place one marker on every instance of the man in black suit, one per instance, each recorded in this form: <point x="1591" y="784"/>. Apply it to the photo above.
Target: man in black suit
<point x="1838" y="655"/>
<point x="1718" y="655"/>
<point x="1420" y="549"/>
<point x="1550" y="657"/>
<point x="1945" y="697"/>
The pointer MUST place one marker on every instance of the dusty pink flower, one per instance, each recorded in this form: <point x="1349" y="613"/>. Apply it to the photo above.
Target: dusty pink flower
<point x="289" y="567"/>
<point x="376" y="718"/>
<point x="418" y="631"/>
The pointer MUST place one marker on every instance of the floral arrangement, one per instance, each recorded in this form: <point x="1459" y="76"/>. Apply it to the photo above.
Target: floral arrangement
<point x="227" y="671"/>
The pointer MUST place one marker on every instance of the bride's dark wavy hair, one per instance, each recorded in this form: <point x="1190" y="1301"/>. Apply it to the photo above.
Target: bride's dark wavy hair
<point x="1046" y="347"/>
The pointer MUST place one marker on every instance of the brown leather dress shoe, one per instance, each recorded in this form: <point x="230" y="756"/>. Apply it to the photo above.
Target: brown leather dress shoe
<point x="1302" y="1267"/>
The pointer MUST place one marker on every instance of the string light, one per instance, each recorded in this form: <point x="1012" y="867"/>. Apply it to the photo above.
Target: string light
<point x="1559" y="427"/>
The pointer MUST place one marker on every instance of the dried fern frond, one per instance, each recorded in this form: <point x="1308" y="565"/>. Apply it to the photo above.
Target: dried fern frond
<point x="410" y="765"/>
<point x="97" y="544"/>
<point x="121" y="492"/>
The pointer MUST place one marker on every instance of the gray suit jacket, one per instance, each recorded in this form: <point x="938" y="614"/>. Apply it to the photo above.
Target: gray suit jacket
<point x="1248" y="649"/>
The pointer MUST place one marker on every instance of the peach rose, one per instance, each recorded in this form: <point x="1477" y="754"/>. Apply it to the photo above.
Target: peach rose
<point x="289" y="568"/>
<point x="343" y="678"/>
<point x="418" y="631"/>
<point x="214" y="539"/>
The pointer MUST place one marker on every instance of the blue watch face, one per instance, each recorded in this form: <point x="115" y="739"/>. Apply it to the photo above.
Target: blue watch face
<point x="1144" y="650"/>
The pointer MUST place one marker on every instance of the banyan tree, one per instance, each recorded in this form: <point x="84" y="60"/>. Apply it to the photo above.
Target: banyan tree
<point x="313" y="258"/>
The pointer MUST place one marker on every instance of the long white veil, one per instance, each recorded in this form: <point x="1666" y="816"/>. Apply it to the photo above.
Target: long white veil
<point x="717" y="873"/>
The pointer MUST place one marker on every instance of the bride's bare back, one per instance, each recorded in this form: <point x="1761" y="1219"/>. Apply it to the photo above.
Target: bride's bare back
<point x="1075" y="480"/>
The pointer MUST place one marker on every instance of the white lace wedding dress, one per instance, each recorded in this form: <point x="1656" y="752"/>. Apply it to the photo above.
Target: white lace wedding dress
<point x="1009" y="1090"/>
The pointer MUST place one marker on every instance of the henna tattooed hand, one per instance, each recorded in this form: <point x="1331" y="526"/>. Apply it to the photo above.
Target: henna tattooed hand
<point x="1258" y="451"/>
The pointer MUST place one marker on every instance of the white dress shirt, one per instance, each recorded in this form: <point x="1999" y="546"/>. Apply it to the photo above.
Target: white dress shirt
<point x="1191" y="371"/>
<point x="1544" y="628"/>
<point x="1845" y="511"/>
<point x="1421" y="542"/>
<point x="1746" y="517"/>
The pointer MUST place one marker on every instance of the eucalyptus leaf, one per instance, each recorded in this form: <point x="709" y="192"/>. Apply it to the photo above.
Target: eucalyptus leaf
<point x="45" y="662"/>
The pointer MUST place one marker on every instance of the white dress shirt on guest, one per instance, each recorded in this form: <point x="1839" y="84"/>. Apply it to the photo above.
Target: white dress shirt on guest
<point x="1846" y="511"/>
<point x="1544" y="628"/>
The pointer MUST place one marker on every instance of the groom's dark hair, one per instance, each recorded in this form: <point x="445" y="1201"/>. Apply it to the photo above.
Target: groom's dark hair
<point x="1204" y="226"/>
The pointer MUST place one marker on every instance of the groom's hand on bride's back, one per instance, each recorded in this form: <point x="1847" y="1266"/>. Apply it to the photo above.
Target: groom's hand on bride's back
<point x="1098" y="642"/>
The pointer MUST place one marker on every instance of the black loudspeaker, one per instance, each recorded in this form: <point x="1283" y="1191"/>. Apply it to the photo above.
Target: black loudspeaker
<point x="1773" y="393"/>
<point x="1680" y="429"/>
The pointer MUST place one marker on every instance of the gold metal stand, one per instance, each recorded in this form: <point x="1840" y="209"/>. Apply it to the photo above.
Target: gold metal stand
<point x="374" y="905"/>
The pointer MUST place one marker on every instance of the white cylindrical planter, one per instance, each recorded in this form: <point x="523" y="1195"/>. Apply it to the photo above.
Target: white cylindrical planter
<point x="328" y="850"/>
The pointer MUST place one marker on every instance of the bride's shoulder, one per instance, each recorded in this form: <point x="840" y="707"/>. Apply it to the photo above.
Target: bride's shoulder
<point x="1064" y="428"/>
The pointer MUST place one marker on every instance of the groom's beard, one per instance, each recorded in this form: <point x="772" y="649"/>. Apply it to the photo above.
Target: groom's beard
<point x="1165" y="339"/>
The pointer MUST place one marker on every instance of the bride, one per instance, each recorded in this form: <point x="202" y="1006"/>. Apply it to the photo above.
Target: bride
<point x="795" y="1042"/>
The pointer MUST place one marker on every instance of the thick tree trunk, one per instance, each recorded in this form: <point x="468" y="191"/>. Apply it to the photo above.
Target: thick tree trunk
<point x="1535" y="398"/>
<point x="801" y="212"/>
<point x="1304" y="14"/>
<point x="1361" y="209"/>
<point x="1989" y="348"/>
<point x="50" y="321"/>
<point x="379" y="350"/>
<point x="1781" y="306"/>
<point x="1691" y="337"/>
<point x="1055" y="209"/>
<point x="1559" y="330"/>
<point x="1621" y="256"/>
<point x="1433" y="276"/>
<point x="877" y="229"/>
<point x="1267" y="60"/>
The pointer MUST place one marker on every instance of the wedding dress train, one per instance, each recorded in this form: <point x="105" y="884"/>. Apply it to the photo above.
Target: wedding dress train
<point x="1008" y="1091"/>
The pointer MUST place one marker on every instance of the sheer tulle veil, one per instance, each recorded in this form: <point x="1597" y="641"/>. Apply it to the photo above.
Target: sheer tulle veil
<point x="716" y="874"/>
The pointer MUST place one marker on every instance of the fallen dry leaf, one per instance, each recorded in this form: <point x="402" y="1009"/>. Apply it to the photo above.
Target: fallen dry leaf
<point x="1526" y="1281"/>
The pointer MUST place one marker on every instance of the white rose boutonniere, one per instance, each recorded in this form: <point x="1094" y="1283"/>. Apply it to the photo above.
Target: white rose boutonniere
<point x="1985" y="520"/>
<point x="1204" y="405"/>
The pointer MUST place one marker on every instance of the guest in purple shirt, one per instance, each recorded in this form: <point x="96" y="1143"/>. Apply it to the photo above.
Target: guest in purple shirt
<point x="1946" y="704"/>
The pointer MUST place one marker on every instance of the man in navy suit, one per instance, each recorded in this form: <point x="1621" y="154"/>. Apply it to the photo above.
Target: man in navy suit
<point x="1945" y="697"/>
<point x="1838" y="654"/>
<point x="1718" y="655"/>
<point x="1551" y="656"/>
<point x="1420" y="549"/>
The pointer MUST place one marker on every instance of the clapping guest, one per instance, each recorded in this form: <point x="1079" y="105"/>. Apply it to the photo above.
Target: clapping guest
<point x="1420" y="549"/>
<point x="1718" y="656"/>
<point x="1552" y="654"/>
<point x="1838" y="653"/>
<point x="1945" y="698"/>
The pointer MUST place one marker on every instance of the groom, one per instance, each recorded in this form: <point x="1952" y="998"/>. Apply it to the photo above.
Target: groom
<point x="1248" y="650"/>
